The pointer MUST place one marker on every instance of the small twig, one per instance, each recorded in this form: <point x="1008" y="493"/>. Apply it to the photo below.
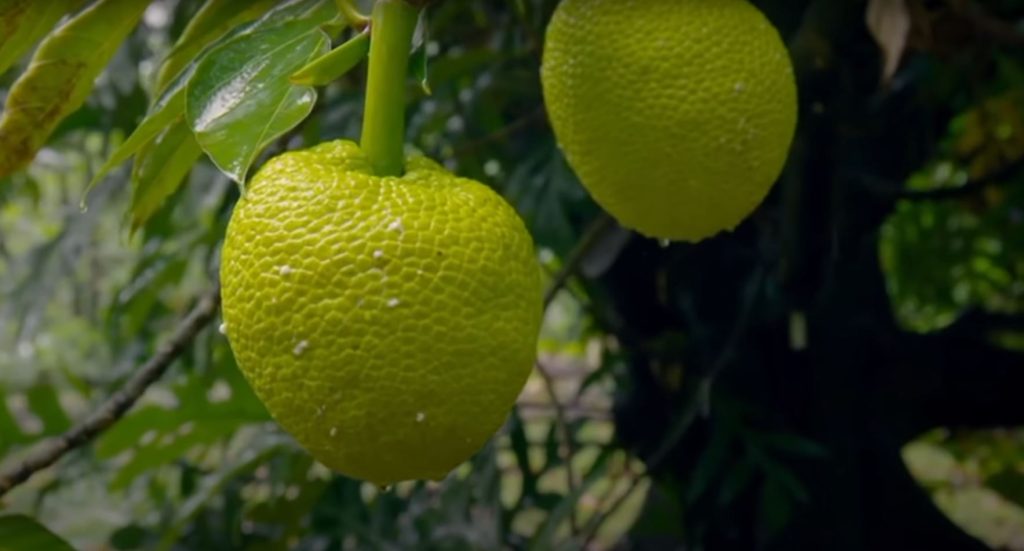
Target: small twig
<point x="999" y="176"/>
<point x="697" y="405"/>
<point x="1002" y="32"/>
<point x="502" y="133"/>
<point x="590" y="237"/>
<point x="50" y="451"/>
<point x="594" y="525"/>
<point x="572" y="262"/>
<point x="352" y="15"/>
<point x="561" y="421"/>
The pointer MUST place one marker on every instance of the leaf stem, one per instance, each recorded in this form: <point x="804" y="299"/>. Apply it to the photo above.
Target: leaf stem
<point x="383" y="140"/>
<point x="351" y="14"/>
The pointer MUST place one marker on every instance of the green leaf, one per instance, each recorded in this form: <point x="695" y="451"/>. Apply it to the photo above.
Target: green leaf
<point x="334" y="64"/>
<point x="257" y="452"/>
<point x="213" y="21"/>
<point x="43" y="401"/>
<point x="168" y="108"/>
<point x="1009" y="483"/>
<point x="545" y="535"/>
<point x="521" y="449"/>
<point x="61" y="77"/>
<point x="240" y="99"/>
<point x="418" y="64"/>
<point x="208" y="25"/>
<point x="774" y="508"/>
<point x="23" y="533"/>
<point x="172" y="446"/>
<point x="24" y="22"/>
<point x="130" y="431"/>
<point x="10" y="432"/>
<point x="160" y="168"/>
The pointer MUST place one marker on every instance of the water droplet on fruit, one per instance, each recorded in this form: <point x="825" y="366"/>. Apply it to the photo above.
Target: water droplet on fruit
<point x="739" y="87"/>
<point x="378" y="254"/>
<point x="223" y="329"/>
<point x="285" y="270"/>
<point x="420" y="417"/>
<point x="392" y="303"/>
<point x="334" y="431"/>
<point x="300" y="347"/>
<point x="664" y="243"/>
<point x="396" y="226"/>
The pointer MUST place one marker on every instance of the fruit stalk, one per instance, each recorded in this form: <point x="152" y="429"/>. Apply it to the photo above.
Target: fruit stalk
<point x="383" y="140"/>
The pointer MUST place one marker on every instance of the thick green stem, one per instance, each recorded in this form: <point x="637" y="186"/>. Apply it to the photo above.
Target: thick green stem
<point x="392" y="27"/>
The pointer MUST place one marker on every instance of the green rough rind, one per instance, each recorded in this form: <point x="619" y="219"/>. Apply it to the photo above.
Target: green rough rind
<point x="677" y="115"/>
<point x="387" y="323"/>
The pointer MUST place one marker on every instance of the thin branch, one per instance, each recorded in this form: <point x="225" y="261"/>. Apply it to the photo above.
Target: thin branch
<point x="980" y="323"/>
<point x="572" y="263"/>
<point x="1002" y="32"/>
<point x="502" y="133"/>
<point x="591" y="236"/>
<point x="562" y="423"/>
<point x="352" y="15"/>
<point x="698" y="405"/>
<point x="1000" y="176"/>
<point x="50" y="451"/>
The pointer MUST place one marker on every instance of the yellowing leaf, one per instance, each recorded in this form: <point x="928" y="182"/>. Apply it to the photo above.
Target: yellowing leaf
<point x="889" y="23"/>
<point x="61" y="77"/>
<point x="23" y="22"/>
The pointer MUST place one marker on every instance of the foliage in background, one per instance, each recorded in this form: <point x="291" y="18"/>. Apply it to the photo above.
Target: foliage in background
<point x="88" y="295"/>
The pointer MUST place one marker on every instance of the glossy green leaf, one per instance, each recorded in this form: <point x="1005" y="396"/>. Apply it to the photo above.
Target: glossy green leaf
<point x="334" y="64"/>
<point x="61" y="76"/>
<point x="168" y="108"/>
<point x="213" y="21"/>
<point x="239" y="99"/>
<point x="23" y="533"/>
<point x="24" y="22"/>
<point x="160" y="169"/>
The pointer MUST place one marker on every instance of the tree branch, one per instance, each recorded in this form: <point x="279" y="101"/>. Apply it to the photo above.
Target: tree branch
<point x="50" y="451"/>
<point x="700" y="404"/>
<point x="1002" y="32"/>
<point x="502" y="133"/>
<point x="954" y="378"/>
<point x="591" y="236"/>
<point x="996" y="177"/>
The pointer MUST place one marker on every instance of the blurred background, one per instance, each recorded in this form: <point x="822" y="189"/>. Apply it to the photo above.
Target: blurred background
<point x="844" y="371"/>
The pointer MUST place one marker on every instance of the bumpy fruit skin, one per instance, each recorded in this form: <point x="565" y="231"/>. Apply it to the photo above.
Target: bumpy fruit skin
<point x="677" y="115"/>
<point x="388" y="323"/>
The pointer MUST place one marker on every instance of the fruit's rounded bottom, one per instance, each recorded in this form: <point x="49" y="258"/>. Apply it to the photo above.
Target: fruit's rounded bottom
<point x="387" y="323"/>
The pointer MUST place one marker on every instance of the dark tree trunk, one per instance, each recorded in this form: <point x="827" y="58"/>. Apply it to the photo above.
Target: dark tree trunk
<point x="853" y="382"/>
